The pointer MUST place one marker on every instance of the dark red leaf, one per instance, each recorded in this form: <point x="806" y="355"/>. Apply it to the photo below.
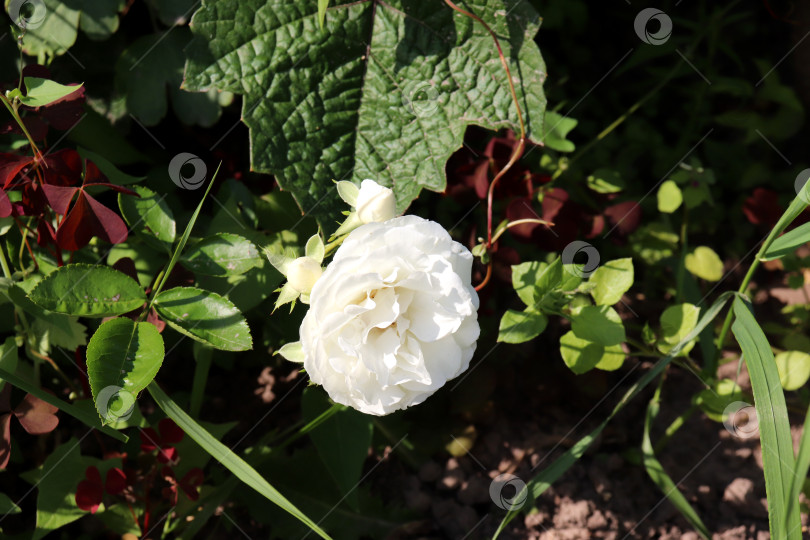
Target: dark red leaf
<point x="155" y="319"/>
<point x="45" y="233"/>
<point x="125" y="265"/>
<point x="597" y="226"/>
<point x="192" y="480"/>
<point x="59" y="197"/>
<point x="63" y="168"/>
<point x="170" y="432"/>
<point x="116" y="481"/>
<point x="167" y="454"/>
<point x="5" y="205"/>
<point x="625" y="217"/>
<point x="93" y="475"/>
<point x="10" y="167"/>
<point x="5" y="399"/>
<point x="762" y="207"/>
<point x="65" y="112"/>
<point x="109" y="226"/>
<point x="36" y="416"/>
<point x="5" y="439"/>
<point x="90" y="491"/>
<point x="150" y="440"/>
<point x="88" y="218"/>
<point x="521" y="208"/>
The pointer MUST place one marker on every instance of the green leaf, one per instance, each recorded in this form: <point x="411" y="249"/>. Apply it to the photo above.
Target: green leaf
<point x="56" y="501"/>
<point x="580" y="355"/>
<point x="89" y="291"/>
<point x="774" y="427"/>
<point x="227" y="457"/>
<point x="669" y="197"/>
<point x="714" y="400"/>
<point x="377" y="80"/>
<point x="322" y="5"/>
<point x="292" y="352"/>
<point x="342" y="441"/>
<point x="612" y="358"/>
<point x="205" y="316"/>
<point x="54" y="34"/>
<point x="315" y="248"/>
<point x="555" y="131"/>
<point x="541" y="482"/>
<point x="91" y="420"/>
<point x="7" y="506"/>
<point x="676" y="322"/>
<point x="51" y="335"/>
<point x="599" y="324"/>
<point x="44" y="91"/>
<point x="788" y="242"/>
<point x="122" y="359"/>
<point x="524" y="279"/>
<point x="223" y="254"/>
<point x="605" y="181"/>
<point x="99" y="18"/>
<point x="704" y="263"/>
<point x="660" y="477"/>
<point x="8" y="357"/>
<point x="521" y="326"/>
<point x="794" y="369"/>
<point x="612" y="279"/>
<point x="800" y="473"/>
<point x="149" y="215"/>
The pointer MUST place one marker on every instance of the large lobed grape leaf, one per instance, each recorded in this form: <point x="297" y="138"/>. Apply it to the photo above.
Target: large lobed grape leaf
<point x="384" y="91"/>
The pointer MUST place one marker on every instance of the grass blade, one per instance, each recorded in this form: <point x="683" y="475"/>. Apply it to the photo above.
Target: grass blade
<point x="227" y="458"/>
<point x="774" y="428"/>
<point x="658" y="475"/>
<point x="91" y="419"/>
<point x="802" y="466"/>
<point x="787" y="243"/>
<point x="549" y="475"/>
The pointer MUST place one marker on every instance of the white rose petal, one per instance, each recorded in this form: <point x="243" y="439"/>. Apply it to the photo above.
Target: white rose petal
<point x="302" y="273"/>
<point x="393" y="317"/>
<point x="375" y="203"/>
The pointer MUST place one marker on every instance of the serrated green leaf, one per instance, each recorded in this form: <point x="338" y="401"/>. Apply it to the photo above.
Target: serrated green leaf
<point x="669" y="197"/>
<point x="605" y="181"/>
<point x="342" y="441"/>
<point x="378" y="78"/>
<point x="612" y="280"/>
<point x="44" y="91"/>
<point x="58" y="478"/>
<point x="521" y="326"/>
<point x="87" y="290"/>
<point x="598" y="324"/>
<point x="205" y="316"/>
<point x="704" y="263"/>
<point x="794" y="369"/>
<point x="123" y="357"/>
<point x="149" y="215"/>
<point x="222" y="254"/>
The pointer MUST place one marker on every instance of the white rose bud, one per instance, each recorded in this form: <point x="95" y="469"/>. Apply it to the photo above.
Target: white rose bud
<point x="375" y="203"/>
<point x="393" y="317"/>
<point x="302" y="274"/>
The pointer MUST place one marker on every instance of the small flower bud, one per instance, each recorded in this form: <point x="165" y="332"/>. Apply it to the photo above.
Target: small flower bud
<point x="375" y="203"/>
<point x="302" y="274"/>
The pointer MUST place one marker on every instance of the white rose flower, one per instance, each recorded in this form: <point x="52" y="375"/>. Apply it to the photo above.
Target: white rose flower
<point x="302" y="273"/>
<point x="393" y="317"/>
<point x="375" y="203"/>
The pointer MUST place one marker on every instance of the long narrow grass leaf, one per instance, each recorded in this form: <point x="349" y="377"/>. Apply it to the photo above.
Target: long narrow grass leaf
<point x="774" y="428"/>
<point x="227" y="458"/>
<point x="787" y="243"/>
<point x="549" y="475"/>
<point x="802" y="466"/>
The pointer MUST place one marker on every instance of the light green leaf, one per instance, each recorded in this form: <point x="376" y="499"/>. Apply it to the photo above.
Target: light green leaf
<point x="774" y="428"/>
<point x="348" y="192"/>
<point x="7" y="506"/>
<point x="56" y="501"/>
<point x="669" y="197"/>
<point x="578" y="354"/>
<point x="555" y="131"/>
<point x="612" y="279"/>
<point x="524" y="279"/>
<point x="714" y="400"/>
<point x="99" y="18"/>
<point x="44" y="91"/>
<point x="222" y="254"/>
<point x="605" y="181"/>
<point x="149" y="215"/>
<point x="521" y="326"/>
<point x="205" y="316"/>
<point x="612" y="358"/>
<point x="286" y="295"/>
<point x="56" y="336"/>
<point x="122" y="358"/>
<point x="676" y="322"/>
<point x="315" y="248"/>
<point x="788" y="242"/>
<point x="378" y="78"/>
<point x="322" y="5"/>
<point x="292" y="351"/>
<point x="704" y="263"/>
<point x="87" y="290"/>
<point x="794" y="369"/>
<point x="342" y="441"/>
<point x="228" y="458"/>
<point x="598" y="324"/>
<point x="55" y="34"/>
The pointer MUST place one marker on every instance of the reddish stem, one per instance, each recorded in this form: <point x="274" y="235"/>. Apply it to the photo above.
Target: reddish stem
<point x="486" y="278"/>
